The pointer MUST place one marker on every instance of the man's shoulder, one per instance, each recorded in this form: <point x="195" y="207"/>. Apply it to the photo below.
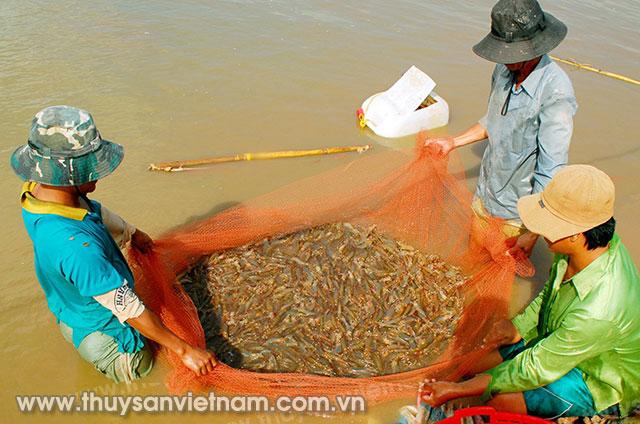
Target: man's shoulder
<point x="58" y="235"/>
<point x="95" y="206"/>
<point x="616" y="284"/>
<point x="556" y="82"/>
<point x="624" y="265"/>
<point x="47" y="225"/>
<point x="500" y="71"/>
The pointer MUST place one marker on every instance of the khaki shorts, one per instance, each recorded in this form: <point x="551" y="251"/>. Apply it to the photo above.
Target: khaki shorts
<point x="101" y="350"/>
<point x="512" y="228"/>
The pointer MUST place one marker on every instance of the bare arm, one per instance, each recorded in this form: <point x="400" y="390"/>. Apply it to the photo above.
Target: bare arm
<point x="120" y="230"/>
<point x="123" y="232"/>
<point x="197" y="360"/>
<point x="435" y="393"/>
<point x="471" y="135"/>
<point x="444" y="145"/>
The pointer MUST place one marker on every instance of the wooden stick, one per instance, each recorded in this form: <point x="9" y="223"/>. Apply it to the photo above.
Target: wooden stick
<point x="182" y="165"/>
<point x="596" y="70"/>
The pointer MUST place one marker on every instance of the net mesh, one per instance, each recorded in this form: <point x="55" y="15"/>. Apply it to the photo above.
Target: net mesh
<point x="414" y="197"/>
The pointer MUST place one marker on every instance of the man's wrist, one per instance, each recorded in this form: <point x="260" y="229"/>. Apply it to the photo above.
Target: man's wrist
<point x="461" y="140"/>
<point x="177" y="346"/>
<point x="475" y="386"/>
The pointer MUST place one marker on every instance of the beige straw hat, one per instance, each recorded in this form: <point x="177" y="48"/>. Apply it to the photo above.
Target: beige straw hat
<point x="578" y="198"/>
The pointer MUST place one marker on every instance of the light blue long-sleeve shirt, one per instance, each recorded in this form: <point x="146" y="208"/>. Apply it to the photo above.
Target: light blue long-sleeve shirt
<point x="530" y="143"/>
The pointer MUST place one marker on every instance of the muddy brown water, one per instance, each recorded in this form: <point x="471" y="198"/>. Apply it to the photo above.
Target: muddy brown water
<point x="172" y="80"/>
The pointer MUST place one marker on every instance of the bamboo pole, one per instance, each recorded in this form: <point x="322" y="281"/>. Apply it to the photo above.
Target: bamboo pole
<point x="183" y="165"/>
<point x="596" y="70"/>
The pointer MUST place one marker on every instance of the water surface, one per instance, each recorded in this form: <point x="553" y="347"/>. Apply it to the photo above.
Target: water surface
<point x="172" y="80"/>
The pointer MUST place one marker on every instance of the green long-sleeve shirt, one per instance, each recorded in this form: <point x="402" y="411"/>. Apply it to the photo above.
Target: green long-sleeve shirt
<point x="591" y="322"/>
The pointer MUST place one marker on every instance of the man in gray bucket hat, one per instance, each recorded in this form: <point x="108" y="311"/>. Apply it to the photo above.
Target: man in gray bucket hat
<point x="76" y="241"/>
<point x="529" y="120"/>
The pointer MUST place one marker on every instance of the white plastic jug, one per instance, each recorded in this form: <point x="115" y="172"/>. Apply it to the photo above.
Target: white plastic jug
<point x="394" y="113"/>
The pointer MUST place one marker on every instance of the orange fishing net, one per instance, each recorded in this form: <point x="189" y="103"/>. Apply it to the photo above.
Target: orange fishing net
<point x="411" y="196"/>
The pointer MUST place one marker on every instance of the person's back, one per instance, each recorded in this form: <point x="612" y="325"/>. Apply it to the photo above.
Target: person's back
<point x="575" y="349"/>
<point x="84" y="275"/>
<point x="62" y="236"/>
<point x="595" y="323"/>
<point x="615" y="298"/>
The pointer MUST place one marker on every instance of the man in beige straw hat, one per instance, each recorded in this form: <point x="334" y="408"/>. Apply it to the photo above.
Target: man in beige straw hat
<point x="575" y="350"/>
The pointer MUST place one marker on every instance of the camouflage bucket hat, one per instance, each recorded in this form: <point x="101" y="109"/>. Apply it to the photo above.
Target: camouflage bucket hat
<point x="65" y="149"/>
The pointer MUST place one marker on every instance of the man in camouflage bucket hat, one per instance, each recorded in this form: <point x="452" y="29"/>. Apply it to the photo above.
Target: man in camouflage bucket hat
<point x="87" y="282"/>
<point x="65" y="149"/>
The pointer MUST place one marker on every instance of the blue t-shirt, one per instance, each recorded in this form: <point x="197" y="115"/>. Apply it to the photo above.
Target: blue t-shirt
<point x="75" y="259"/>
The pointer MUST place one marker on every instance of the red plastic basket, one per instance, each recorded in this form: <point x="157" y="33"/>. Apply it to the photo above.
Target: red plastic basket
<point x="495" y="417"/>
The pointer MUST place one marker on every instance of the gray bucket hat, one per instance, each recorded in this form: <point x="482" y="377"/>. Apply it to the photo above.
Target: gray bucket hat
<point x="520" y="31"/>
<point x="65" y="149"/>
